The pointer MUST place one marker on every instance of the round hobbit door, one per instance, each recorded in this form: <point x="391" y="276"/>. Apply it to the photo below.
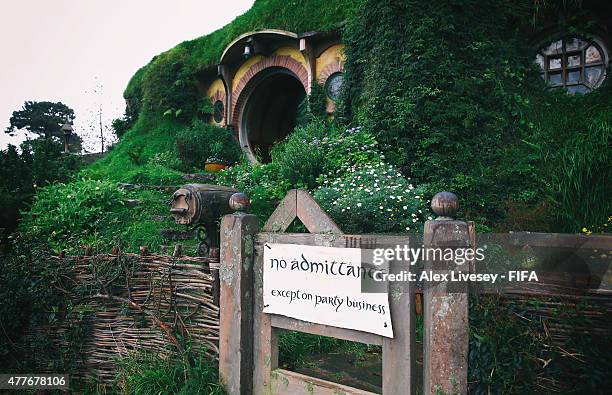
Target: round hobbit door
<point x="270" y="112"/>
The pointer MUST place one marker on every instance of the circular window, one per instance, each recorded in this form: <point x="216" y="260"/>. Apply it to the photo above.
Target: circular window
<point x="574" y="63"/>
<point x="218" y="111"/>
<point x="333" y="86"/>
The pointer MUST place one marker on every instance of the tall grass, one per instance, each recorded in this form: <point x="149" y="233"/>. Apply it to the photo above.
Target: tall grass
<point x="581" y="185"/>
<point x="149" y="374"/>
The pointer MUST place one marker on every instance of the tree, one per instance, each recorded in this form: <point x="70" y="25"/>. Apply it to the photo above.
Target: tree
<point x="42" y="118"/>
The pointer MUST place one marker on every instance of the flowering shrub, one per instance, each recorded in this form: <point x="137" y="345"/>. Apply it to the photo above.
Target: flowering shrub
<point x="372" y="198"/>
<point x="347" y="173"/>
<point x="350" y="147"/>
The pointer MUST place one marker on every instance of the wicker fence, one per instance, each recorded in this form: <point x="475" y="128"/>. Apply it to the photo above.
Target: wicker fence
<point x="127" y="302"/>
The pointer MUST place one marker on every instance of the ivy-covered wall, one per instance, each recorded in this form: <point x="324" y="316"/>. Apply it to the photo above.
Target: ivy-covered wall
<point x="451" y="89"/>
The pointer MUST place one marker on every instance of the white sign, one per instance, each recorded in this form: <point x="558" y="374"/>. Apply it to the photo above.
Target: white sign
<point x="322" y="285"/>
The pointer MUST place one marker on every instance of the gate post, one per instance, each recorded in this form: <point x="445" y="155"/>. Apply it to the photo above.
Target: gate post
<point x="446" y="322"/>
<point x="236" y="299"/>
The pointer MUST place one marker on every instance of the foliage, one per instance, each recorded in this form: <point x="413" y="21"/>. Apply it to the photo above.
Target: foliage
<point x="123" y="124"/>
<point x="317" y="101"/>
<point x="14" y="310"/>
<point x="373" y="198"/>
<point x="40" y="162"/>
<point x="203" y="142"/>
<point x="511" y="350"/>
<point x="138" y="149"/>
<point x="451" y="93"/>
<point x="259" y="182"/>
<point x="169" y="86"/>
<point x="296" y="348"/>
<point x="144" y="374"/>
<point x="575" y="154"/>
<point x="297" y="159"/>
<point x="95" y="213"/>
<point x="42" y="118"/>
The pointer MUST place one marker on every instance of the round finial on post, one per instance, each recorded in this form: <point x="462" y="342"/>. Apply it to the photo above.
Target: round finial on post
<point x="445" y="205"/>
<point x="239" y="202"/>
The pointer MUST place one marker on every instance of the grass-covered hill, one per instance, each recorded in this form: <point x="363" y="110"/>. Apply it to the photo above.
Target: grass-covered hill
<point x="443" y="95"/>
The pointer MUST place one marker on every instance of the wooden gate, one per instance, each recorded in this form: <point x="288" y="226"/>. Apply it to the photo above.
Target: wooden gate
<point x="248" y="346"/>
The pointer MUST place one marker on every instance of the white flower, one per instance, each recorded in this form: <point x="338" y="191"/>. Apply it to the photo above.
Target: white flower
<point x="358" y="204"/>
<point x="405" y="207"/>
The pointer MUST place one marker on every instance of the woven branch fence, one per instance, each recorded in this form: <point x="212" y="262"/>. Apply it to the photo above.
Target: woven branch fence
<point x="118" y="304"/>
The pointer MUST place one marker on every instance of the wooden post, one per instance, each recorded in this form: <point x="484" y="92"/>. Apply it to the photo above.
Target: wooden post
<point x="236" y="301"/>
<point x="399" y="355"/>
<point x="446" y="323"/>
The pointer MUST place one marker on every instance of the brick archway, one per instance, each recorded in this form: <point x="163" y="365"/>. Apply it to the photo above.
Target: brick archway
<point x="243" y="89"/>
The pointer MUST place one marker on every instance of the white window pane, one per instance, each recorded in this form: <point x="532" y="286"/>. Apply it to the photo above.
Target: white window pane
<point x="540" y="61"/>
<point x="593" y="55"/>
<point x="554" y="63"/>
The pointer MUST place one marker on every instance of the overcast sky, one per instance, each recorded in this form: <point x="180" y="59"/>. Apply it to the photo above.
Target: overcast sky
<point x="65" y="50"/>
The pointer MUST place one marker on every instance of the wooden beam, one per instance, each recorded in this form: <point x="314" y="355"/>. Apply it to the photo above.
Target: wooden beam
<point x="287" y="382"/>
<point x="284" y="214"/>
<point x="313" y="216"/>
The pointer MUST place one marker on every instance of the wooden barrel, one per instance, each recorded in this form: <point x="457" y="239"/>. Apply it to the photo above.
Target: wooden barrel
<point x="200" y="203"/>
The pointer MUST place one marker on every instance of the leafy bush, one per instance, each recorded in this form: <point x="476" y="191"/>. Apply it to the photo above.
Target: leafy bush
<point x="64" y="210"/>
<point x="299" y="159"/>
<point x="445" y="92"/>
<point x="202" y="142"/>
<point x="40" y="162"/>
<point x="373" y="198"/>
<point x="260" y="182"/>
<point x="169" y="86"/>
<point x="92" y="212"/>
<point x="581" y="183"/>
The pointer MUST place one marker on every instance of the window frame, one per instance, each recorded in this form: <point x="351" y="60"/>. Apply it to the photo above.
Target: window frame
<point x="563" y="54"/>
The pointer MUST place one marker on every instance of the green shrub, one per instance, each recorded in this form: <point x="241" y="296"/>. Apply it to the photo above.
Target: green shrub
<point x="299" y="158"/>
<point x="202" y="142"/>
<point x="61" y="211"/>
<point x="512" y="352"/>
<point x="260" y="182"/>
<point x="96" y="213"/>
<point x="373" y="198"/>
<point x="444" y="92"/>
<point x="169" y="86"/>
<point x="153" y="174"/>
